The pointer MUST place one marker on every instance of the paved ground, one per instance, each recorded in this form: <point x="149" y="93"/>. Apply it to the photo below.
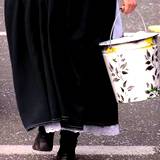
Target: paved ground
<point x="140" y="122"/>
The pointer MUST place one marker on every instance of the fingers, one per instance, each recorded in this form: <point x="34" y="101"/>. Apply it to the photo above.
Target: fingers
<point x="128" y="6"/>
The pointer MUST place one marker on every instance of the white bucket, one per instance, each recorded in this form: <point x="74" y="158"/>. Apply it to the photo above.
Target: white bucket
<point x="133" y="66"/>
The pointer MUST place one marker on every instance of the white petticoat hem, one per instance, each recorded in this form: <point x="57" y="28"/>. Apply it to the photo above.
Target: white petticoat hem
<point x="95" y="130"/>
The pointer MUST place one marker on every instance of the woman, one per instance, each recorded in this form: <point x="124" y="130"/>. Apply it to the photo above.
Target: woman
<point x="59" y="74"/>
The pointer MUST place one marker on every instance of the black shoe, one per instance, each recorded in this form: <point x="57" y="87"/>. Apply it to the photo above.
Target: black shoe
<point x="43" y="141"/>
<point x="68" y="142"/>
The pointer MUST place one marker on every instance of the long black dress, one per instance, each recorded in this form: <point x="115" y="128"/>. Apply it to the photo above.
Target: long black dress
<point x="58" y="69"/>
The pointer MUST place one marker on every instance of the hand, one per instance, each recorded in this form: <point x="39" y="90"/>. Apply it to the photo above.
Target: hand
<point x="128" y="6"/>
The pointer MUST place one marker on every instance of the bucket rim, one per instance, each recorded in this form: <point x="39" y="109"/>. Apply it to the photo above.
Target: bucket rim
<point x="138" y="36"/>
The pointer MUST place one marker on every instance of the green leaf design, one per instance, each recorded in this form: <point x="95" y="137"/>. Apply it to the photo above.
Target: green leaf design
<point x="153" y="77"/>
<point x="129" y="100"/>
<point x="149" y="68"/>
<point x="113" y="74"/>
<point x="147" y="91"/>
<point x="152" y="87"/>
<point x="118" y="95"/>
<point x="155" y="72"/>
<point x="147" y="84"/>
<point x="151" y="94"/>
<point x="148" y="54"/>
<point x="148" y="62"/>
<point x="124" y="72"/>
<point x="122" y="98"/>
<point x="111" y="66"/>
<point x="130" y="88"/>
<point x="121" y="55"/>
<point x="122" y="89"/>
<point x="116" y="71"/>
<point x="116" y="79"/>
<point x="123" y="65"/>
<point x="146" y="57"/>
<point x="114" y="60"/>
<point x="124" y="84"/>
<point x="152" y="57"/>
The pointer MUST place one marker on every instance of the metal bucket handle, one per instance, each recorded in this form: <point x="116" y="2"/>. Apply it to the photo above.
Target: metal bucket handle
<point x="114" y="23"/>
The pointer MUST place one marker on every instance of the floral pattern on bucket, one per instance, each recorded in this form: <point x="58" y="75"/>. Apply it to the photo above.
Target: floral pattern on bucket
<point x="134" y="73"/>
<point x="152" y="63"/>
<point x="118" y="74"/>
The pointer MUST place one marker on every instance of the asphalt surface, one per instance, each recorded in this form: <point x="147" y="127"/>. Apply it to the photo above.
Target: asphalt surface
<point x="139" y="122"/>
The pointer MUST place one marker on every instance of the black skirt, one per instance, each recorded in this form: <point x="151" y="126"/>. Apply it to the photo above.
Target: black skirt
<point x="58" y="69"/>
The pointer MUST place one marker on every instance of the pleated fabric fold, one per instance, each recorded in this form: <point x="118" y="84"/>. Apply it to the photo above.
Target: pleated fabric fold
<point x="58" y="69"/>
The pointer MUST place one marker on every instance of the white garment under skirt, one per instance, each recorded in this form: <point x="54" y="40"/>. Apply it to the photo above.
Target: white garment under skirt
<point x="95" y="130"/>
